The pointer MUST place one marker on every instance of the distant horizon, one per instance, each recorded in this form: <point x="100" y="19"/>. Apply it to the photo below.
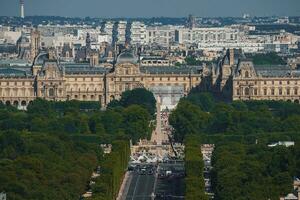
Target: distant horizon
<point x="151" y="8"/>
<point x="147" y="17"/>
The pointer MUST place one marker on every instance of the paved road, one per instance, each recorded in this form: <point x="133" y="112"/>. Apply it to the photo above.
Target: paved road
<point x="173" y="186"/>
<point x="141" y="187"/>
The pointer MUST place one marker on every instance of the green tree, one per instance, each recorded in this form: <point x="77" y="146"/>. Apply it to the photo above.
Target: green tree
<point x="136" y="123"/>
<point x="139" y="96"/>
<point x="188" y="119"/>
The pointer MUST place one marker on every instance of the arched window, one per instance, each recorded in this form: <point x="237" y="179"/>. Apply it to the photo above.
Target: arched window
<point x="16" y="103"/>
<point x="272" y="91"/>
<point x="51" y="92"/>
<point x="295" y="91"/>
<point x="127" y="86"/>
<point x="100" y="99"/>
<point x="247" y="91"/>
<point x="255" y="91"/>
<point x="247" y="74"/>
<point x="7" y="103"/>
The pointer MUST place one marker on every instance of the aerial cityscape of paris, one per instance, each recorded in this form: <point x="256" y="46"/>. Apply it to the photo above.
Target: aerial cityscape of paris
<point x="150" y="100"/>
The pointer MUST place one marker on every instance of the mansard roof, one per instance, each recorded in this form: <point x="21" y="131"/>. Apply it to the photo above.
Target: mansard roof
<point x="275" y="71"/>
<point x="11" y="72"/>
<point x="127" y="57"/>
<point x="154" y="58"/>
<point x="41" y="58"/>
<point x="84" y="68"/>
<point x="17" y="62"/>
<point x="171" y="69"/>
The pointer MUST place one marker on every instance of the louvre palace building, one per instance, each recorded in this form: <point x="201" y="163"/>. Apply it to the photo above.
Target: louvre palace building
<point x="50" y="79"/>
<point x="234" y="77"/>
<point x="237" y="78"/>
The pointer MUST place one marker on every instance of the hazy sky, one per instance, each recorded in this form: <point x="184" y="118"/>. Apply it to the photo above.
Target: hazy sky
<point x="151" y="8"/>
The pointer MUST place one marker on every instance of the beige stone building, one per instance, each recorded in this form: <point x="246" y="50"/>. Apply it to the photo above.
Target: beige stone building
<point x="52" y="80"/>
<point x="240" y="79"/>
<point x="235" y="78"/>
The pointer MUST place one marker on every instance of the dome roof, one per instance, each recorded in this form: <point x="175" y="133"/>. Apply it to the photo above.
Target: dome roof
<point x="23" y="39"/>
<point x="127" y="57"/>
<point x="39" y="60"/>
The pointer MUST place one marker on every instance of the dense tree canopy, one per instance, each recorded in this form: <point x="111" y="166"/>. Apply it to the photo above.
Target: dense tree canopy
<point x="244" y="167"/>
<point x="113" y="166"/>
<point x="199" y="113"/>
<point x="50" y="150"/>
<point x="194" y="181"/>
<point x="79" y="118"/>
<point x="187" y="119"/>
<point x="253" y="171"/>
<point x="43" y="166"/>
<point x="138" y="96"/>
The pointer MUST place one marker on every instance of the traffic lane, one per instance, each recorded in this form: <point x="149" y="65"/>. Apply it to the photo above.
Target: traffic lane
<point x="170" y="184"/>
<point x="170" y="187"/>
<point x="141" y="187"/>
<point x="132" y="186"/>
<point x="145" y="188"/>
<point x="127" y="185"/>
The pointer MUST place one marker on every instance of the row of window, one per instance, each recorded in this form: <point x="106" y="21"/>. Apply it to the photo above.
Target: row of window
<point x="16" y="83"/>
<point x="142" y="79"/>
<point x="247" y="91"/>
<point x="15" y="103"/>
<point x="16" y="93"/>
<point x="85" y="97"/>
<point x="86" y="79"/>
<point x="280" y="82"/>
<point x="84" y="89"/>
<point x="173" y="79"/>
<point x="274" y="82"/>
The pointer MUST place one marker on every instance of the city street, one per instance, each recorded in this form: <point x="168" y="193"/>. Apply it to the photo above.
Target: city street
<point x="140" y="184"/>
<point x="145" y="182"/>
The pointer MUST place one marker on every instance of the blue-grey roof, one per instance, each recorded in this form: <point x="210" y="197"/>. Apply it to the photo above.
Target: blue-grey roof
<point x="154" y="58"/>
<point x="83" y="69"/>
<point x="274" y="70"/>
<point x="11" y="72"/>
<point x="171" y="69"/>
<point x="11" y="62"/>
<point x="127" y="57"/>
<point x="41" y="58"/>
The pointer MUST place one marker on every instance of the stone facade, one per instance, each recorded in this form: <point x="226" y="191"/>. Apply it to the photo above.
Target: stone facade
<point x="235" y="78"/>
<point x="51" y="80"/>
<point x="242" y="80"/>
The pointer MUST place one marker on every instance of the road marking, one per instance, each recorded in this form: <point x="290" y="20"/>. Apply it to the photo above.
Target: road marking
<point x="136" y="183"/>
<point x="155" y="182"/>
<point x="127" y="185"/>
